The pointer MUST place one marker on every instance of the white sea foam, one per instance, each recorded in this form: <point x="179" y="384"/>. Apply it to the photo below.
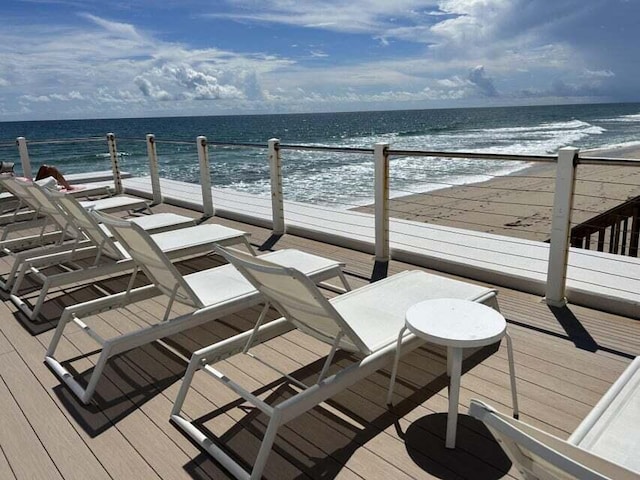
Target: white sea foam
<point x="108" y="155"/>
<point x="346" y="180"/>
<point x="622" y="118"/>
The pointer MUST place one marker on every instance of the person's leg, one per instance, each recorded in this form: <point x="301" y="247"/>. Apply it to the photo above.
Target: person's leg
<point x="50" y="171"/>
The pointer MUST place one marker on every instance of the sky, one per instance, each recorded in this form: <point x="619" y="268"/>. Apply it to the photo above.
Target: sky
<point x="64" y="59"/>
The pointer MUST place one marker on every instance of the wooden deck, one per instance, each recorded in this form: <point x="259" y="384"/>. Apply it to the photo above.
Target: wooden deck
<point x="565" y="360"/>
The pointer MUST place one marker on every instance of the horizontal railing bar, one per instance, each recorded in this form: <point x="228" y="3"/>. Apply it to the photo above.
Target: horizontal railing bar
<point x="327" y="149"/>
<point x="238" y="144"/>
<point x="485" y="156"/>
<point x="617" y="162"/>
<point x="174" y="142"/>
<point x="66" y="140"/>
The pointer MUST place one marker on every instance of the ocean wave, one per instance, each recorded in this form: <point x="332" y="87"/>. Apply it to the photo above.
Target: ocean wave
<point x="542" y="127"/>
<point x="108" y="155"/>
<point x="623" y="118"/>
<point x="534" y="140"/>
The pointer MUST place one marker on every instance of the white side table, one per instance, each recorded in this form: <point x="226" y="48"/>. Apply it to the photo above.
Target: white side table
<point x="456" y="324"/>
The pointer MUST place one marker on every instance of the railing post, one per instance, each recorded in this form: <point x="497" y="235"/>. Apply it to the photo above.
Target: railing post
<point x="153" y="168"/>
<point x="277" y="202"/>
<point x="205" y="177"/>
<point x="381" y="159"/>
<point x="561" y="227"/>
<point x="24" y="156"/>
<point x="115" y="166"/>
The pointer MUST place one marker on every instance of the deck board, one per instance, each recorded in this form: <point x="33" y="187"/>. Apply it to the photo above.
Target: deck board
<point x="565" y="360"/>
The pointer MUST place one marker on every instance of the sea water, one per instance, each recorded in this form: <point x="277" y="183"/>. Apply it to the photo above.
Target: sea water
<point x="341" y="179"/>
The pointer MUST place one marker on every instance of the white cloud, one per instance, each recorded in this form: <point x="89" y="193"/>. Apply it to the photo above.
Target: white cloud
<point x="357" y="16"/>
<point x="118" y="29"/>
<point x="598" y="73"/>
<point x="35" y="98"/>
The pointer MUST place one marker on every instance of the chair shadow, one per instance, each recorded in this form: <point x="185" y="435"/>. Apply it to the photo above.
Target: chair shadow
<point x="128" y="382"/>
<point x="318" y="443"/>
<point x="132" y="378"/>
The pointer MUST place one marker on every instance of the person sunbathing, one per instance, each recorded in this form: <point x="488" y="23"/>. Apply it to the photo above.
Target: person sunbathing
<point x="50" y="171"/>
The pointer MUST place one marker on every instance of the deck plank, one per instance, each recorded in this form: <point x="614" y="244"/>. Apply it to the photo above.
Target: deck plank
<point x="5" y="468"/>
<point x="24" y="451"/>
<point x="66" y="449"/>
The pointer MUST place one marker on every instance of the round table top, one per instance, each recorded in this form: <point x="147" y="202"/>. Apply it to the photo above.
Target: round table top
<point x="456" y="323"/>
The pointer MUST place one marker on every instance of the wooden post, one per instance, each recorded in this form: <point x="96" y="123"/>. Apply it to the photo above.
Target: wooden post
<point x="205" y="176"/>
<point x="153" y="168"/>
<point x="115" y="166"/>
<point x="635" y="232"/>
<point x="561" y="227"/>
<point x="24" y="157"/>
<point x="381" y="159"/>
<point x="277" y="202"/>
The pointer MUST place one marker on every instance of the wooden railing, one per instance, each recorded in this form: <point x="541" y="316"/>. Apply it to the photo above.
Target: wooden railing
<point x="614" y="231"/>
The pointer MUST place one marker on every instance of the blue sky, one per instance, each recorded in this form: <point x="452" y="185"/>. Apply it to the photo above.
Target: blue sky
<point x="64" y="59"/>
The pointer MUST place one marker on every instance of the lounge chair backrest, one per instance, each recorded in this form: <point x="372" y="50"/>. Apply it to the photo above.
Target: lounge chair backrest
<point x="39" y="195"/>
<point x="297" y="298"/>
<point x="539" y="455"/>
<point x="88" y="224"/>
<point x="17" y="189"/>
<point x="151" y="259"/>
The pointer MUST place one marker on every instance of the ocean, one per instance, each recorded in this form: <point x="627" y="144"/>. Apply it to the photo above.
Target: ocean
<point x="341" y="179"/>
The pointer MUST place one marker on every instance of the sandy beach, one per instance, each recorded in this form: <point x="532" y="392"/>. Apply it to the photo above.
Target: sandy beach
<point x="520" y="205"/>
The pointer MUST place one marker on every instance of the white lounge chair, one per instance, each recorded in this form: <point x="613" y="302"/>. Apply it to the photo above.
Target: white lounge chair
<point x="606" y="445"/>
<point x="365" y="321"/>
<point x="213" y="293"/>
<point x="109" y="257"/>
<point x="66" y="236"/>
<point x="31" y="217"/>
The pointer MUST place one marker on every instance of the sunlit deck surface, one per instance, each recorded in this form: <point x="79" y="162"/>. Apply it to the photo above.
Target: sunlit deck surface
<point x="565" y="361"/>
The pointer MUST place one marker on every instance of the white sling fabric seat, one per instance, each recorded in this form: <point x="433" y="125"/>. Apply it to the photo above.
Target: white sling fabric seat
<point x="109" y="257"/>
<point x="365" y="321"/>
<point x="213" y="293"/>
<point x="540" y="455"/>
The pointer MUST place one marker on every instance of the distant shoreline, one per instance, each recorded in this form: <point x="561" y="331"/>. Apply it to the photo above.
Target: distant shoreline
<point x="520" y="204"/>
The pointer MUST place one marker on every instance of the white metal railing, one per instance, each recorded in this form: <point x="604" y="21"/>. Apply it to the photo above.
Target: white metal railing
<point x="566" y="161"/>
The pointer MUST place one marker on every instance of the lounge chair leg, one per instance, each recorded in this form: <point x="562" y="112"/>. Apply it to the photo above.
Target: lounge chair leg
<point x="97" y="373"/>
<point x="512" y="376"/>
<point x="38" y="306"/>
<point x="17" y="283"/>
<point x="265" y="447"/>
<point x="249" y="246"/>
<point x="394" y="371"/>
<point x="194" y="366"/>
<point x="344" y="281"/>
<point x="62" y="323"/>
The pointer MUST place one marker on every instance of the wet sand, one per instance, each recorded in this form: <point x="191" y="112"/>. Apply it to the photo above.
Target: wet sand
<point x="520" y="205"/>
